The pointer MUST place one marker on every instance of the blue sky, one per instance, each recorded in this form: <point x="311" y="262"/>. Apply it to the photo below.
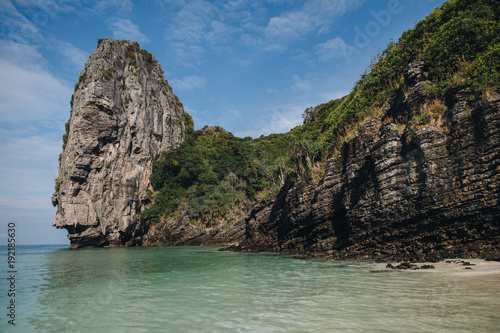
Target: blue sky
<point x="250" y="66"/>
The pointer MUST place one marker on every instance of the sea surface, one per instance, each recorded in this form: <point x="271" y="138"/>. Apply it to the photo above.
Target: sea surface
<point x="200" y="289"/>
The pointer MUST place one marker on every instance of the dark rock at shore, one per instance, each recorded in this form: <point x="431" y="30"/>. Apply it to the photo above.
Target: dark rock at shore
<point x="410" y="196"/>
<point x="393" y="194"/>
<point x="407" y="265"/>
<point x="399" y="190"/>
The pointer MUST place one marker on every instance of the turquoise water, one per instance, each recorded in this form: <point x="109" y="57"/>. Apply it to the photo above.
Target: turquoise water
<point x="200" y="289"/>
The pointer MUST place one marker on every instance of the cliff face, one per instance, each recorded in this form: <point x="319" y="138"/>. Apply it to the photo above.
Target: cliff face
<point x="397" y="191"/>
<point x="420" y="181"/>
<point x="124" y="114"/>
<point x="409" y="185"/>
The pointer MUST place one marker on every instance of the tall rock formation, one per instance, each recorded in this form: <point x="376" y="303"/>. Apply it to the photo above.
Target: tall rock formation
<point x="124" y="114"/>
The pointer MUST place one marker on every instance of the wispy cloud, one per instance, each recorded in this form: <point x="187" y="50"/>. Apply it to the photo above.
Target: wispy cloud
<point x="187" y="55"/>
<point x="331" y="95"/>
<point x="34" y="105"/>
<point x="192" y="23"/>
<point x="189" y="83"/>
<point x="187" y="27"/>
<point x="313" y="15"/>
<point x="32" y="101"/>
<point x="125" y="29"/>
<point x="272" y="91"/>
<point x="28" y="92"/>
<point x="16" y="26"/>
<point x="22" y="55"/>
<point x="74" y="55"/>
<point x="25" y="151"/>
<point x="121" y="7"/>
<point x="278" y="119"/>
<point x="217" y="25"/>
<point x="332" y="49"/>
<point x="29" y="95"/>
<point x="289" y="26"/>
<point x="221" y="33"/>
<point x="283" y="119"/>
<point x="299" y="85"/>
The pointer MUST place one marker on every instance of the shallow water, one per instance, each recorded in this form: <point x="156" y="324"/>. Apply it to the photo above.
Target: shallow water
<point x="199" y="289"/>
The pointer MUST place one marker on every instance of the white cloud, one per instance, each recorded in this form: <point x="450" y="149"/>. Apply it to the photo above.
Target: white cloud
<point x="314" y="15"/>
<point x="18" y="27"/>
<point x="272" y="91"/>
<point x="125" y="29"/>
<point x="199" y="22"/>
<point x="221" y="33"/>
<point x="28" y="92"/>
<point x="36" y="196"/>
<point x="283" y="119"/>
<point x="192" y="23"/>
<point x="122" y="7"/>
<point x="289" y="26"/>
<point x="34" y="105"/>
<point x="31" y="100"/>
<point x="74" y="55"/>
<point x="23" y="55"/>
<point x="190" y="110"/>
<point x="189" y="83"/>
<point x="187" y="27"/>
<point x="332" y="49"/>
<point x="323" y="13"/>
<point x="299" y="85"/>
<point x="30" y="95"/>
<point x="279" y="119"/>
<point x="189" y="55"/>
<point x="329" y="96"/>
<point x="251" y="41"/>
<point x="29" y="152"/>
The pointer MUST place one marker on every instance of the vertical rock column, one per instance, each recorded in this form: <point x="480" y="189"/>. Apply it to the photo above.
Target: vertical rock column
<point x="124" y="114"/>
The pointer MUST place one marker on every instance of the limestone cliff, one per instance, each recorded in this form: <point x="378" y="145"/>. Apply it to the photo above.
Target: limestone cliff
<point x="397" y="191"/>
<point x="403" y="188"/>
<point x="124" y="114"/>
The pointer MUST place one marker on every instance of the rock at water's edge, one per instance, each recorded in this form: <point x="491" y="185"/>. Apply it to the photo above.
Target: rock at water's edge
<point x="124" y="114"/>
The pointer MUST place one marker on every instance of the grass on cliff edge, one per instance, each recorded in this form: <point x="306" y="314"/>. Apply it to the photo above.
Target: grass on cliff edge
<point x="213" y="177"/>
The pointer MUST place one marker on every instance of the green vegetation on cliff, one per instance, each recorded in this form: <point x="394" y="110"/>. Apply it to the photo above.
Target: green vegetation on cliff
<point x="214" y="176"/>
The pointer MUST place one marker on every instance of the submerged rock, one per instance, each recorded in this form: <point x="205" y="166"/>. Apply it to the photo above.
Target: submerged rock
<point x="427" y="267"/>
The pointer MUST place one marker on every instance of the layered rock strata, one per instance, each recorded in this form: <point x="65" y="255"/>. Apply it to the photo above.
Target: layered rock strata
<point x="396" y="191"/>
<point x="404" y="188"/>
<point x="124" y="114"/>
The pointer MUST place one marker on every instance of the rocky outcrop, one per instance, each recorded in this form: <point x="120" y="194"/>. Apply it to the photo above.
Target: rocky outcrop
<point x="419" y="182"/>
<point x="124" y="114"/>
<point x="399" y="190"/>
<point x="181" y="232"/>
